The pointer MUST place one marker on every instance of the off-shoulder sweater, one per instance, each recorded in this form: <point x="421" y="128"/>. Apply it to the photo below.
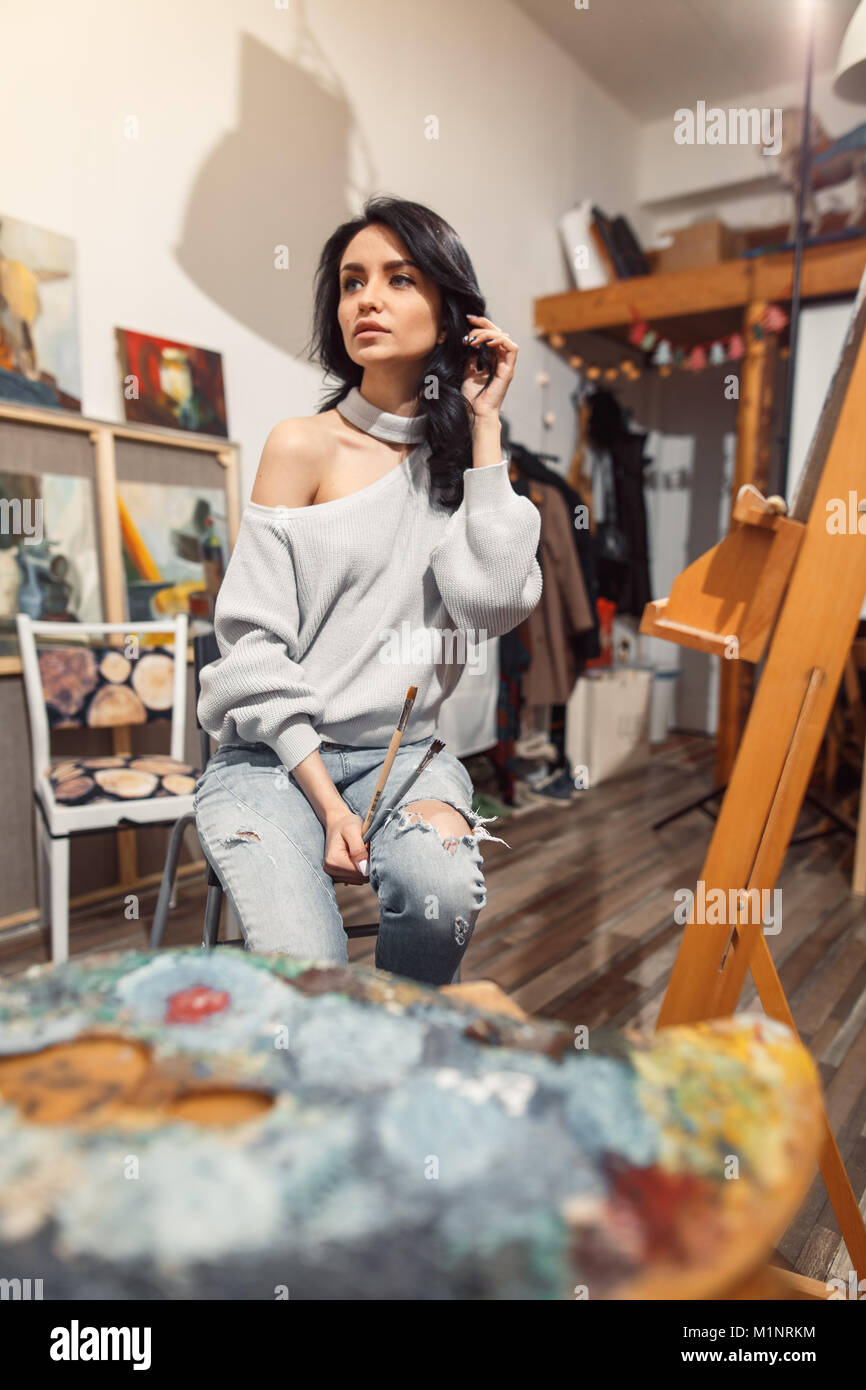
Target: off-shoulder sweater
<point x="328" y="613"/>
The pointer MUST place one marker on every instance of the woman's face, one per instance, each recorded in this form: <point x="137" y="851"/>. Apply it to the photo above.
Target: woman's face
<point x="381" y="285"/>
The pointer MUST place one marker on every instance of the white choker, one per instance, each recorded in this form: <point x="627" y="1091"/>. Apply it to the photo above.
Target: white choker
<point x="396" y="429"/>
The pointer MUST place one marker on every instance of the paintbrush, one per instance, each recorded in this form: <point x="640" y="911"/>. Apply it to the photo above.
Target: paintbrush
<point x="435" y="747"/>
<point x="396" y="738"/>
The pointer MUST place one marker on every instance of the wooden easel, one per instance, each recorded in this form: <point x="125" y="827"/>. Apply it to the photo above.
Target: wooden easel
<point x="789" y="576"/>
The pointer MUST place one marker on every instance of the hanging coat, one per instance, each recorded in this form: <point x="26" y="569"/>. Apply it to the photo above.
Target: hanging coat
<point x="563" y="612"/>
<point x="629" y="585"/>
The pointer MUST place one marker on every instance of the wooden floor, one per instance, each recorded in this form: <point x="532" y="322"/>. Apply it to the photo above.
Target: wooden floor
<point x="579" y="926"/>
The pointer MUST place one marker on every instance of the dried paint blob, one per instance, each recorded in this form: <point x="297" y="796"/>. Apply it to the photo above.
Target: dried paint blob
<point x="352" y="1047"/>
<point x="83" y="1080"/>
<point x="466" y="1138"/>
<point x="604" y="1112"/>
<point x="29" y="1034"/>
<point x="542" y="1163"/>
<point x="192" y="1200"/>
<point x="529" y="1241"/>
<point x="212" y="1001"/>
<point x="195" y="1003"/>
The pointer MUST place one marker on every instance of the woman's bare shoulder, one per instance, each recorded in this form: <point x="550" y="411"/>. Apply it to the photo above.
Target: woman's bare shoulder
<point x="292" y="458"/>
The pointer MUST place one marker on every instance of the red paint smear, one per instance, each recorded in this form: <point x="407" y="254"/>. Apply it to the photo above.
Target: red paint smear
<point x="193" y="1004"/>
<point x="671" y="1207"/>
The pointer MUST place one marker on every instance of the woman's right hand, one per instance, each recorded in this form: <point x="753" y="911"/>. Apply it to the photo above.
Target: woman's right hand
<point x="344" y="848"/>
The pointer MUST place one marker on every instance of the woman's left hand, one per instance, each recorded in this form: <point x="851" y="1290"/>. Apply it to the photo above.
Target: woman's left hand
<point x="487" y="400"/>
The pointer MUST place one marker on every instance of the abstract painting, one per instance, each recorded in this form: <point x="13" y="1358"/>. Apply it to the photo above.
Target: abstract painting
<point x="39" y="353"/>
<point x="171" y="384"/>
<point x="49" y="560"/>
<point x="175" y="547"/>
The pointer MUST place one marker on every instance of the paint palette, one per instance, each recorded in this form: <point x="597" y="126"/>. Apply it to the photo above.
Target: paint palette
<point x="189" y="1124"/>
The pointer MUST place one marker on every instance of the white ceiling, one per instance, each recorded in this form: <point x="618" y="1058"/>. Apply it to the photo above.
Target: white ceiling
<point x="653" y="56"/>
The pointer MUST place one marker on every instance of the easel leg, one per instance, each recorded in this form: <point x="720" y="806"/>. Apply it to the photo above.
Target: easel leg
<point x="858" y="877"/>
<point x="836" y="1180"/>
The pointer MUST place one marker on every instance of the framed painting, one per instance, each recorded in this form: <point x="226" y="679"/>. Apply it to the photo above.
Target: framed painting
<point x="171" y="384"/>
<point x="49" y="551"/>
<point x="175" y="548"/>
<point x="39" y="345"/>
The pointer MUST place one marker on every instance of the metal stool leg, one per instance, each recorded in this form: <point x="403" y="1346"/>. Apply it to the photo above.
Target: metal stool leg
<point x="213" y="910"/>
<point x="166" y="888"/>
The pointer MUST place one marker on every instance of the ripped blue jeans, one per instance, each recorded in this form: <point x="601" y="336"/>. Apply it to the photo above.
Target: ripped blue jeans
<point x="266" y="845"/>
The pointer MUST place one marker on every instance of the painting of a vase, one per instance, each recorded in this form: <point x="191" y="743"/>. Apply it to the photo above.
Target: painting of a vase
<point x="171" y="384"/>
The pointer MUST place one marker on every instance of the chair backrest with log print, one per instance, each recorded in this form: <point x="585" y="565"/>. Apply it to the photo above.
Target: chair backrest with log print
<point x="92" y="684"/>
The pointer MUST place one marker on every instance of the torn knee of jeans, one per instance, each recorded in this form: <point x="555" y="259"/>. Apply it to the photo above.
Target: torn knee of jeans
<point x="479" y="823"/>
<point x="246" y="837"/>
<point x="405" y="818"/>
<point x="242" y="835"/>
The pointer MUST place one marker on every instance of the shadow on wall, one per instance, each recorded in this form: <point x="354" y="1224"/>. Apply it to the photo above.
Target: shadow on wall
<point x="281" y="178"/>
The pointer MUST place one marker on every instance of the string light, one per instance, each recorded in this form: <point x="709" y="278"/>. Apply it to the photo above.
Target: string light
<point x="666" y="354"/>
<point x="663" y="355"/>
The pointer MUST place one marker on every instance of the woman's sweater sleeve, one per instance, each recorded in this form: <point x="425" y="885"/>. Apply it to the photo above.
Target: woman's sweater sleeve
<point x="485" y="565"/>
<point x="257" y="681"/>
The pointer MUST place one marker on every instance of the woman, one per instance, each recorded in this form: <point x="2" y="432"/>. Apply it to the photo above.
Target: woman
<point x="390" y="511"/>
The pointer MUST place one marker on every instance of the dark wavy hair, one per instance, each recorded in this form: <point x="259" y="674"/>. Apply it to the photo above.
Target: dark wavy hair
<point x="435" y="246"/>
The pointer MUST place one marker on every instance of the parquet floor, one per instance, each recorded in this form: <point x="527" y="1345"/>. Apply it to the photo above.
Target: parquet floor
<point x="579" y="926"/>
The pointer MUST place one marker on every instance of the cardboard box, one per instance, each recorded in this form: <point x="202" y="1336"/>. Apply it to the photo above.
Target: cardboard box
<point x="703" y="244"/>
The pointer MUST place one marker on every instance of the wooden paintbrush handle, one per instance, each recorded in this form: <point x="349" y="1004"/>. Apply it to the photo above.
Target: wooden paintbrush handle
<point x="383" y="777"/>
<point x="391" y="754"/>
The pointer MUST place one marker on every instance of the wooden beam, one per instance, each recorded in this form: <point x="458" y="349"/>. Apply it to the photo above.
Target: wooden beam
<point x="737" y="678"/>
<point x="113" y="588"/>
<point x="652" y="296"/>
<point x="145" y="434"/>
<point x="827" y="271"/>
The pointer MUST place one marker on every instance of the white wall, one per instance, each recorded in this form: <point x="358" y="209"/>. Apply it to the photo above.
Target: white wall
<point x="260" y="127"/>
<point x="819" y="342"/>
<point x="678" y="184"/>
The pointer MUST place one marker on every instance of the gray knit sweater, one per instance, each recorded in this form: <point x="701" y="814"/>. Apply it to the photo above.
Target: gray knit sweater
<point x="328" y="613"/>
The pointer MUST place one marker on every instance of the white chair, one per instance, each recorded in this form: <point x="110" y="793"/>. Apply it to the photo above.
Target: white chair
<point x="102" y="808"/>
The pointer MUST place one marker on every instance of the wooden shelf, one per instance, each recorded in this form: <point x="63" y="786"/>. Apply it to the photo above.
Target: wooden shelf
<point x="685" y="295"/>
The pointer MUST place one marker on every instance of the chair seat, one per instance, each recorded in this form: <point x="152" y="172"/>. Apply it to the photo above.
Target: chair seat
<point x="119" y="777"/>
